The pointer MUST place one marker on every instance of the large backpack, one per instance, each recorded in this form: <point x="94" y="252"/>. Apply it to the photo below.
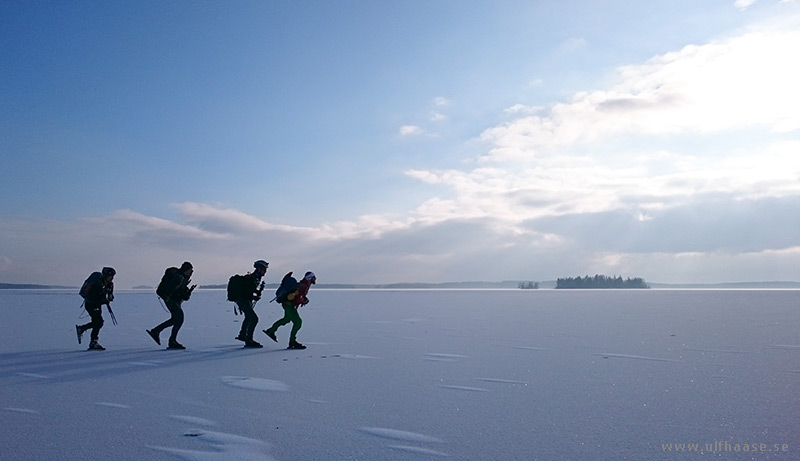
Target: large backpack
<point x="87" y="284"/>
<point x="237" y="287"/>
<point x="288" y="286"/>
<point x="169" y="283"/>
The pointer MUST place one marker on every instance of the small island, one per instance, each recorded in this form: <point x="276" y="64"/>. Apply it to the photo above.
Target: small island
<point x="600" y="281"/>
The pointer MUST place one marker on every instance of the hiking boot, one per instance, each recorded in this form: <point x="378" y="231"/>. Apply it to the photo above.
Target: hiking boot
<point x="296" y="345"/>
<point x="80" y="333"/>
<point x="154" y="335"/>
<point x="175" y="345"/>
<point x="241" y="338"/>
<point x="252" y="343"/>
<point x="271" y="335"/>
<point x="95" y="346"/>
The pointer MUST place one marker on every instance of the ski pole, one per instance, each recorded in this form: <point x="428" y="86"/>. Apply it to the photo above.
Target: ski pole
<point x="162" y="304"/>
<point x="110" y="312"/>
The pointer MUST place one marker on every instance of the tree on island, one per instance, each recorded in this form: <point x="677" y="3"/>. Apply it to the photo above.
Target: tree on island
<point x="528" y="285"/>
<point x="600" y="281"/>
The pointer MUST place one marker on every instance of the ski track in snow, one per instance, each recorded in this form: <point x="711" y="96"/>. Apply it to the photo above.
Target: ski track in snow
<point x="145" y="364"/>
<point x="256" y="384"/>
<point x="447" y="356"/>
<point x="442" y="357"/>
<point x="111" y="405"/>
<point x="463" y="388"/>
<point x="225" y="446"/>
<point x="396" y="434"/>
<point x="33" y="375"/>
<point x="721" y="351"/>
<point x="636" y="357"/>
<point x="418" y="450"/>
<point x="503" y="381"/>
<point x="785" y="346"/>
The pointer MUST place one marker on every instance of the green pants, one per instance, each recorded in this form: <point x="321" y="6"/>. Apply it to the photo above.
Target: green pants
<point x="289" y="315"/>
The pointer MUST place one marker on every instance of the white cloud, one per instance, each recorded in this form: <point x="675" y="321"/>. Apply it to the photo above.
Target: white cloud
<point x="583" y="155"/>
<point x="410" y="130"/>
<point x="743" y="4"/>
<point x="437" y="116"/>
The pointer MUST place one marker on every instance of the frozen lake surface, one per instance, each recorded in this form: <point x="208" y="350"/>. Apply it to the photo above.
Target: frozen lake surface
<point x="406" y="375"/>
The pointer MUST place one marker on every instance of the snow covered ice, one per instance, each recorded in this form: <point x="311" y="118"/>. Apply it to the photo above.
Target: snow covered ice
<point x="396" y="375"/>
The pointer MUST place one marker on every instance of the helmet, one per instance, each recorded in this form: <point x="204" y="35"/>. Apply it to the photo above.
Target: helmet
<point x="261" y="264"/>
<point x="310" y="277"/>
<point x="109" y="271"/>
<point x="186" y="266"/>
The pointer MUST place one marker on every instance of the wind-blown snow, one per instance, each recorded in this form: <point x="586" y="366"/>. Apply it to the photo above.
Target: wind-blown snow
<point x="517" y="374"/>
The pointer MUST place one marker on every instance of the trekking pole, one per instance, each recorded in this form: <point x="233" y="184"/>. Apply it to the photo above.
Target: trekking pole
<point x="83" y="312"/>
<point x="162" y="304"/>
<point x="110" y="312"/>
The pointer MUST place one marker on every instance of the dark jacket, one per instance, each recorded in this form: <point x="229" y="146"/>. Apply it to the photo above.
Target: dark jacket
<point x="99" y="292"/>
<point x="251" y="287"/>
<point x="178" y="287"/>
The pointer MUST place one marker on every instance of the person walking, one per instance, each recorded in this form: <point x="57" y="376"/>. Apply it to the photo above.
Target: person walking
<point x="291" y="300"/>
<point x="246" y="300"/>
<point x="174" y="289"/>
<point x="98" y="289"/>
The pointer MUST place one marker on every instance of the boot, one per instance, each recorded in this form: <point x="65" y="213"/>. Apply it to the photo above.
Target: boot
<point x="296" y="345"/>
<point x="154" y="334"/>
<point x="271" y="334"/>
<point x="175" y="345"/>
<point x="95" y="346"/>
<point x="80" y="333"/>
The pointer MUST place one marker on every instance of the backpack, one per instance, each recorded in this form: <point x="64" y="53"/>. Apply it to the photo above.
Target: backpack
<point x="288" y="286"/>
<point x="169" y="282"/>
<point x="237" y="287"/>
<point x="87" y="284"/>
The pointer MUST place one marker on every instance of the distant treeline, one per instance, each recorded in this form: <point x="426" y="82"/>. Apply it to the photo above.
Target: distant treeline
<point x="600" y="281"/>
<point x="31" y="286"/>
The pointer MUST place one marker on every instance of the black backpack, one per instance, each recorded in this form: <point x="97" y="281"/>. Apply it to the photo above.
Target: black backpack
<point x="288" y="286"/>
<point x="237" y="287"/>
<point x="169" y="283"/>
<point x="87" y="284"/>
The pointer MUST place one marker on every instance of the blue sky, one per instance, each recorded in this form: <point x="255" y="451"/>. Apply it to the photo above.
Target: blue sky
<point x="378" y="142"/>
